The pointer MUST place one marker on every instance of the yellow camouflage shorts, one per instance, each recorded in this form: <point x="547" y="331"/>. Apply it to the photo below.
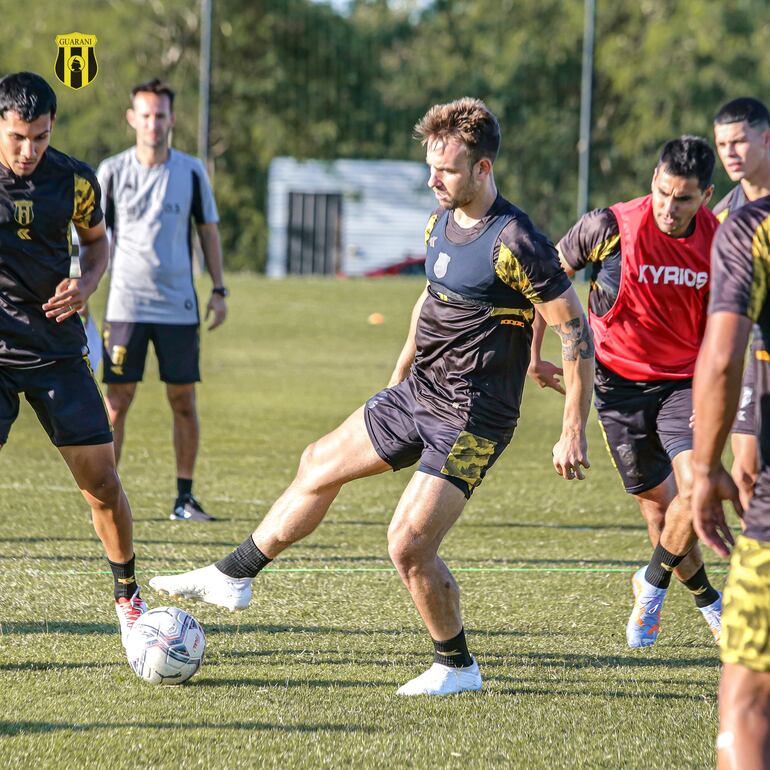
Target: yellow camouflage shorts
<point x="745" y="637"/>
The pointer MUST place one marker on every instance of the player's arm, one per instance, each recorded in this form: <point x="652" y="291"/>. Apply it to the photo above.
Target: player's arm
<point x="72" y="293"/>
<point x="575" y="250"/>
<point x="545" y="373"/>
<point x="208" y="232"/>
<point x="716" y="390"/>
<point x="406" y="357"/>
<point x="566" y="317"/>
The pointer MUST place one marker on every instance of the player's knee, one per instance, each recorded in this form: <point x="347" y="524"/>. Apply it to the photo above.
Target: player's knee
<point x="183" y="404"/>
<point x="104" y="489"/>
<point x="750" y="700"/>
<point x="119" y="402"/>
<point x="311" y="473"/>
<point x="407" y="551"/>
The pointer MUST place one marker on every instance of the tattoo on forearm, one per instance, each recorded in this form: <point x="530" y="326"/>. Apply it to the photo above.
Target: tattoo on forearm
<point x="576" y="339"/>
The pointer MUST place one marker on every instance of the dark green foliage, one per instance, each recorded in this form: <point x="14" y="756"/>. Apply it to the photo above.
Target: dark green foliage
<point x="295" y="77"/>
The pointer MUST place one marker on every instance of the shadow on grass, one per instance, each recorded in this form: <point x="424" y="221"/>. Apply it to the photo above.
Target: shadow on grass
<point x="50" y="666"/>
<point x="282" y="683"/>
<point x="568" y="660"/>
<point x="10" y="729"/>
<point x="604" y="694"/>
<point x="509" y="524"/>
<point x="59" y="627"/>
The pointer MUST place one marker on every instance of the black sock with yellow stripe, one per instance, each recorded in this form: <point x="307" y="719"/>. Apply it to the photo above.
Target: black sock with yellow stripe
<point x="701" y="589"/>
<point x="662" y="566"/>
<point x="125" y="580"/>
<point x="453" y="652"/>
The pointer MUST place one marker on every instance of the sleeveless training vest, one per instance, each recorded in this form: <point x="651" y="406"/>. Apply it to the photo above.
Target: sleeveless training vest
<point x="654" y="329"/>
<point x="467" y="271"/>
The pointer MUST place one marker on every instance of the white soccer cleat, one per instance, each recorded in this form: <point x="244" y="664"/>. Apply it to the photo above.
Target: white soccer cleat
<point x="207" y="584"/>
<point x="128" y="612"/>
<point x="443" y="680"/>
<point x="713" y="616"/>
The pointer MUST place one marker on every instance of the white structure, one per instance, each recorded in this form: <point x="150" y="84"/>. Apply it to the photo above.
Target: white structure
<point x="385" y="205"/>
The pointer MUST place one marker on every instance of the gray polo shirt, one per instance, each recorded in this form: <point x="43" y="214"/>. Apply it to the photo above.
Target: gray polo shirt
<point x="151" y="211"/>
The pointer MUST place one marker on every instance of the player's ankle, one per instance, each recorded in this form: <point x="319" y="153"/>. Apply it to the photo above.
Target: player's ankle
<point x="246" y="561"/>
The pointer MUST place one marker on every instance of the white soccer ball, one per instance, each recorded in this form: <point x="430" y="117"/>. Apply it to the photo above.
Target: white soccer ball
<point x="165" y="646"/>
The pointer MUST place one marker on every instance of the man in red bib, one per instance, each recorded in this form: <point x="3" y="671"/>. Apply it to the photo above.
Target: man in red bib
<point x="649" y="262"/>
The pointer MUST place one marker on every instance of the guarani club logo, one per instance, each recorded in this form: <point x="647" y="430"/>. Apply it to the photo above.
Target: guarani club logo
<point x="76" y="65"/>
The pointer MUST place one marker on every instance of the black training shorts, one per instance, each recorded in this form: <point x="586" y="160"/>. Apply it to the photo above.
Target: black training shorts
<point x="65" y="397"/>
<point x="404" y="431"/>
<point x="645" y="424"/>
<point x="177" y="347"/>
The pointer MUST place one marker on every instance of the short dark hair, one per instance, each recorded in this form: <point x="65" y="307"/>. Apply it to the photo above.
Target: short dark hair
<point x="745" y="109"/>
<point x="466" y="119"/>
<point x="154" y="86"/>
<point x="28" y="95"/>
<point x="689" y="156"/>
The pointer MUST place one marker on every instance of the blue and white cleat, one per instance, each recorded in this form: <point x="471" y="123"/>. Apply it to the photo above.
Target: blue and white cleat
<point x="644" y="624"/>
<point x="713" y="616"/>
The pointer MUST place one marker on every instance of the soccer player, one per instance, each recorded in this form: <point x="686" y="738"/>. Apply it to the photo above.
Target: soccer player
<point x="649" y="262"/>
<point x="742" y="138"/>
<point x="43" y="352"/>
<point x="152" y="195"/>
<point x="739" y="297"/>
<point x="453" y="399"/>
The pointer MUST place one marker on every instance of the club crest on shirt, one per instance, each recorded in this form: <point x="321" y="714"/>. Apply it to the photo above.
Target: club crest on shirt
<point x="442" y="263"/>
<point x="22" y="212"/>
<point x="76" y="64"/>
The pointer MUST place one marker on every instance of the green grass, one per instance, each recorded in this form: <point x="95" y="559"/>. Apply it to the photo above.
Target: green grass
<point x="306" y="677"/>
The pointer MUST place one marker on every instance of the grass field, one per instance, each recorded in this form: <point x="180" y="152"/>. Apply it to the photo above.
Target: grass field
<point x="306" y="676"/>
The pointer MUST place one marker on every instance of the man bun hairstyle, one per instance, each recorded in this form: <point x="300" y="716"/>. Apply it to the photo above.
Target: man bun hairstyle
<point x="467" y="120"/>
<point x="28" y="95"/>
<point x="689" y="156"/>
<point x="745" y="109"/>
<point x="154" y="86"/>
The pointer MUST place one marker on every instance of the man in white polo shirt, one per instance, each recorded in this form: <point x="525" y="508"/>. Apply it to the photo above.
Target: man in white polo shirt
<point x="152" y="196"/>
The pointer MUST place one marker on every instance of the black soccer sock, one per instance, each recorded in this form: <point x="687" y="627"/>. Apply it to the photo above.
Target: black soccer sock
<point x="245" y="561"/>
<point x="700" y="588"/>
<point x="661" y="567"/>
<point x="125" y="580"/>
<point x="183" y="487"/>
<point x="453" y="652"/>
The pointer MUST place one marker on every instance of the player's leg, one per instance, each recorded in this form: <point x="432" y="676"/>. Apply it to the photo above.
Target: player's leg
<point x="427" y="510"/>
<point x="178" y="349"/>
<point x="93" y="468"/>
<point x="124" y="352"/>
<point x="744" y="693"/>
<point x="678" y="537"/>
<point x="345" y="454"/>
<point x="627" y="414"/>
<point x="653" y="504"/>
<point x="118" y="400"/>
<point x="69" y="405"/>
<point x="743" y="742"/>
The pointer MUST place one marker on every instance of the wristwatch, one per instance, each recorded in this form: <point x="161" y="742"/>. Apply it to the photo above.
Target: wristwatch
<point x="221" y="290"/>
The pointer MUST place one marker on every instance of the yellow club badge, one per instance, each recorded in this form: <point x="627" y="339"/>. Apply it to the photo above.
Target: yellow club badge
<point x="76" y="65"/>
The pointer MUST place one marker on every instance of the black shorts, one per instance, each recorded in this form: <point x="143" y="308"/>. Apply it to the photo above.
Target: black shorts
<point x="177" y="347"/>
<point x="745" y="417"/>
<point x="403" y="431"/>
<point x="645" y="424"/>
<point x="65" y="397"/>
